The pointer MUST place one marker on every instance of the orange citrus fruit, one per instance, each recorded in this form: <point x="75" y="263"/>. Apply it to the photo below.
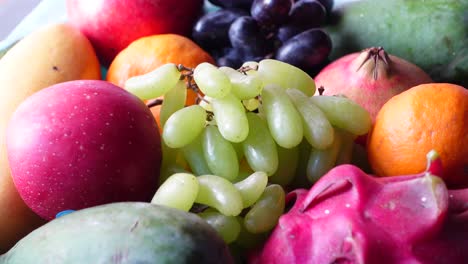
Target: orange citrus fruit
<point x="425" y="117"/>
<point x="147" y="53"/>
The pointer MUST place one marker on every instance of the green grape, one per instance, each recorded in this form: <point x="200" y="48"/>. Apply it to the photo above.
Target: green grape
<point x="230" y="117"/>
<point x="285" y="75"/>
<point x="155" y="83"/>
<point x="178" y="191"/>
<point x="248" y="240"/>
<point x="259" y="146"/>
<point x="174" y="100"/>
<point x="243" y="86"/>
<point x="244" y="170"/>
<point x="287" y="166"/>
<point x="284" y="121"/>
<point x="211" y="80"/>
<point x="193" y="154"/>
<point x="219" y="154"/>
<point x="239" y="149"/>
<point x="219" y="193"/>
<point x="300" y="178"/>
<point x="323" y="160"/>
<point x="252" y="65"/>
<point x="317" y="129"/>
<point x="228" y="227"/>
<point x="252" y="187"/>
<point x="206" y="103"/>
<point x="265" y="213"/>
<point x="184" y="126"/>
<point x="251" y="104"/>
<point x="344" y="113"/>
<point x="169" y="163"/>
<point x="345" y="153"/>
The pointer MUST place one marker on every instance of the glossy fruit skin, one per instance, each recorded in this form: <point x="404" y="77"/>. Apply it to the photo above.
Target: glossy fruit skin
<point x="352" y="217"/>
<point x="307" y="14"/>
<point x="125" y="232"/>
<point x="270" y="12"/>
<point x="147" y="53"/>
<point x="83" y="143"/>
<point x="286" y="32"/>
<point x="306" y="50"/>
<point x="245" y="34"/>
<point x="28" y="67"/>
<point x="113" y="24"/>
<point x="427" y="116"/>
<point x="370" y="78"/>
<point x="211" y="30"/>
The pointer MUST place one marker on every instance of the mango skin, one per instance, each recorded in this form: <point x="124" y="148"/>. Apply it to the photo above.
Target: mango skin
<point x="432" y="34"/>
<point x="52" y="54"/>
<point x="125" y="232"/>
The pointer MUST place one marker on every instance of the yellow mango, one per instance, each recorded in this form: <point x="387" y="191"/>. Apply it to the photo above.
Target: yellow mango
<point x="52" y="54"/>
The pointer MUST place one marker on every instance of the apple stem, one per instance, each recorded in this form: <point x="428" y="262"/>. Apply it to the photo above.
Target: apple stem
<point x="321" y="90"/>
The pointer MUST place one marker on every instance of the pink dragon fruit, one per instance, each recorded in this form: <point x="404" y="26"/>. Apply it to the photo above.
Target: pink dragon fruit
<point x="349" y="217"/>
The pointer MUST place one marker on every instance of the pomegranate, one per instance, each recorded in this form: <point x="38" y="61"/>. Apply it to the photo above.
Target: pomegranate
<point x="370" y="77"/>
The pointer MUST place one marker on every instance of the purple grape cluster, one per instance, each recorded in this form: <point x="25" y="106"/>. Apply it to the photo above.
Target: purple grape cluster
<point x="286" y="30"/>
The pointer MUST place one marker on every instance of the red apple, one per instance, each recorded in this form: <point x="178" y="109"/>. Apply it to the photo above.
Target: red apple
<point x="111" y="25"/>
<point x="83" y="143"/>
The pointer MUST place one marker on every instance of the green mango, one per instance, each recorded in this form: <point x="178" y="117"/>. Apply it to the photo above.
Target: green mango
<point x="126" y="232"/>
<point x="432" y="34"/>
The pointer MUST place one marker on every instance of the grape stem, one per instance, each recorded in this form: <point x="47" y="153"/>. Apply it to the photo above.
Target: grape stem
<point x="245" y="69"/>
<point x="187" y="73"/>
<point x="154" y="102"/>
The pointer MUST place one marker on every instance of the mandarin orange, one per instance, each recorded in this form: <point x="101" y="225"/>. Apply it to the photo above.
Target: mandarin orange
<point x="425" y="117"/>
<point x="146" y="54"/>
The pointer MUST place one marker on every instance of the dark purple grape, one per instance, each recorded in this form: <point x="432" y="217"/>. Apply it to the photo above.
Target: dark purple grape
<point x="286" y="32"/>
<point x="271" y="13"/>
<point x="246" y="34"/>
<point x="235" y="57"/>
<point x="306" y="50"/>
<point x="232" y="58"/>
<point x="243" y="4"/>
<point x="328" y="4"/>
<point x="211" y="30"/>
<point x="307" y="14"/>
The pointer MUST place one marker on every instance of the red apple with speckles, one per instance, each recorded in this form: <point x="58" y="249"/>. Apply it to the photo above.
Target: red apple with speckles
<point x="111" y="25"/>
<point x="79" y="144"/>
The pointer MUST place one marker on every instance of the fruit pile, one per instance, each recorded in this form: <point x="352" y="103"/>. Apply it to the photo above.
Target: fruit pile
<point x="236" y="135"/>
<point x="290" y="31"/>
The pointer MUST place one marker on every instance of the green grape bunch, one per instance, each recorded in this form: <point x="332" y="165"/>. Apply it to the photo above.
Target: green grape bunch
<point x="256" y="132"/>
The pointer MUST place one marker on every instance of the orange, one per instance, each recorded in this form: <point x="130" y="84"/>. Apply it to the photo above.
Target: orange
<point x="156" y="110"/>
<point x="146" y="54"/>
<point x="409" y="125"/>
